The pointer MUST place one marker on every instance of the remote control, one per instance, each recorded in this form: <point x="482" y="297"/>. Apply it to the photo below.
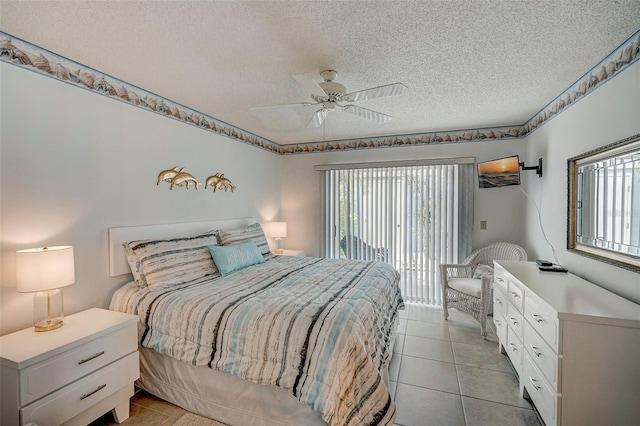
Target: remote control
<point x="541" y="262"/>
<point x="553" y="268"/>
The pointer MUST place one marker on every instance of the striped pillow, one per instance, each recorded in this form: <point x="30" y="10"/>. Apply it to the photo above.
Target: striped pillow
<point x="157" y="263"/>
<point x="252" y="232"/>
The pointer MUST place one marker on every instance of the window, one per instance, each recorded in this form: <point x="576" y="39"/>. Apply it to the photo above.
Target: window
<point x="604" y="203"/>
<point x="414" y="215"/>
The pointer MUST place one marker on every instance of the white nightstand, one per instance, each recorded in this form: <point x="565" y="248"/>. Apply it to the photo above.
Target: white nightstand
<point x="71" y="375"/>
<point x="298" y="253"/>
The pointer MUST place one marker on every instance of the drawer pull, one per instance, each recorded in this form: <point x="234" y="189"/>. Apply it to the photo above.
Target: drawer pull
<point x="533" y="382"/>
<point x="499" y="302"/>
<point x="537" y="318"/>
<point x="535" y="350"/>
<point x="513" y="347"/>
<point x="98" y="389"/>
<point x="513" y="320"/>
<point x="515" y="295"/>
<point x="500" y="280"/>
<point x="498" y="322"/>
<point x="90" y="358"/>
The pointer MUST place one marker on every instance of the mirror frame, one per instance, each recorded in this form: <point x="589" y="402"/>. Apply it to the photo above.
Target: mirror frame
<point x="611" y="257"/>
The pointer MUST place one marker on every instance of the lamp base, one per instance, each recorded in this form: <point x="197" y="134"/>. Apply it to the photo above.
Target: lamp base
<point x="48" y="325"/>
<point x="47" y="310"/>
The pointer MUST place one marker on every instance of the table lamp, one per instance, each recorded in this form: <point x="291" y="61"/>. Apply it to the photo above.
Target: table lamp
<point x="278" y="231"/>
<point x="44" y="270"/>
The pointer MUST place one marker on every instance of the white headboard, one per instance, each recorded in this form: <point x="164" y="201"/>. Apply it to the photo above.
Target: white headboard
<point x="117" y="236"/>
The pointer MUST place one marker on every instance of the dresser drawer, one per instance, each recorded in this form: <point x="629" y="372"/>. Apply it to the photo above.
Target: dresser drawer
<point x="515" y="352"/>
<point x="500" y="280"/>
<point x="499" y="298"/>
<point x="515" y="321"/>
<point x="43" y="378"/>
<point x="545" y="359"/>
<point x="546" y="400"/>
<point x="543" y="320"/>
<point x="500" y="323"/>
<point x="515" y="293"/>
<point x="72" y="400"/>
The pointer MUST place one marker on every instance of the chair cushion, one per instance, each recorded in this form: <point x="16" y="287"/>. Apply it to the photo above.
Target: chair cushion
<point x="470" y="286"/>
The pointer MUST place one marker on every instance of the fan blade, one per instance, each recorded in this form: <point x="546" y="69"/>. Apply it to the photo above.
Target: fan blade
<point x="301" y="104"/>
<point x="376" y="92"/>
<point x="310" y="84"/>
<point x="318" y="118"/>
<point x="367" y="113"/>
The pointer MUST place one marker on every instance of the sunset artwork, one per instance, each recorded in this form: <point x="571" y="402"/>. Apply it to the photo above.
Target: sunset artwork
<point x="500" y="172"/>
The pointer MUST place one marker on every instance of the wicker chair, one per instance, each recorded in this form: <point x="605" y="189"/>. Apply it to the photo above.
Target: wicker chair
<point x="355" y="248"/>
<point x="467" y="286"/>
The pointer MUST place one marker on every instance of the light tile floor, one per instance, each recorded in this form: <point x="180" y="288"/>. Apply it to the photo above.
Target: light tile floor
<point x="442" y="373"/>
<point x="147" y="410"/>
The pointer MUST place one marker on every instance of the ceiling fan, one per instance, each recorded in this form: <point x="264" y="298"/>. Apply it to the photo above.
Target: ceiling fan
<point x="332" y="96"/>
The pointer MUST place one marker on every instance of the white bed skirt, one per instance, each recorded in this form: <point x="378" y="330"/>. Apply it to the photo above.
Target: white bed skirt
<point x="221" y="396"/>
<point x="224" y="397"/>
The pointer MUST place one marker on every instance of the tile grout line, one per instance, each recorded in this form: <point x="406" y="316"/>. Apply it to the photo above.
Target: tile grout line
<point x="464" y="412"/>
<point x="152" y="409"/>
<point x="457" y="364"/>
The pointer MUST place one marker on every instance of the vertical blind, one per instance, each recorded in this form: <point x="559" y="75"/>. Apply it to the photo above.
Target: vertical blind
<point x="414" y="217"/>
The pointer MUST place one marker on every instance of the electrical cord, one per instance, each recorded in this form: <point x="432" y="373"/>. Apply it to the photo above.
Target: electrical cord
<point x="553" y="250"/>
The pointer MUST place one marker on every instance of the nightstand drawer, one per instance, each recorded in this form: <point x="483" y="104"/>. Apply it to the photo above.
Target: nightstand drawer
<point x="45" y="377"/>
<point x="72" y="400"/>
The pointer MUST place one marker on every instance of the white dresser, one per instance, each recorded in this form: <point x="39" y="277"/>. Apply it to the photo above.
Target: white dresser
<point x="574" y="345"/>
<point x="71" y="375"/>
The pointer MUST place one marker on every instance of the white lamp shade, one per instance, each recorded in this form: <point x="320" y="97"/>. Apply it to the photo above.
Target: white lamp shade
<point x="278" y="229"/>
<point x="44" y="268"/>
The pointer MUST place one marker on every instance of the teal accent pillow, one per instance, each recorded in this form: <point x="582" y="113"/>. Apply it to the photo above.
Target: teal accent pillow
<point x="236" y="256"/>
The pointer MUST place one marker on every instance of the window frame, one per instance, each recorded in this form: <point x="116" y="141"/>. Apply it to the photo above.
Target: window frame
<point x="575" y="184"/>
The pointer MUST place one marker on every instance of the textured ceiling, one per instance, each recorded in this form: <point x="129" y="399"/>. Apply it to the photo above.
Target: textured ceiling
<point x="468" y="64"/>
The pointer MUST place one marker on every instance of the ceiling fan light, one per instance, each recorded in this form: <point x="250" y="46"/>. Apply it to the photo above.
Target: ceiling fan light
<point x="329" y="106"/>
<point x="330" y="94"/>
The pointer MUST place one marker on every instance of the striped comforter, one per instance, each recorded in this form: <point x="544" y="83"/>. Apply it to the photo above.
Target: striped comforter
<point x="320" y="328"/>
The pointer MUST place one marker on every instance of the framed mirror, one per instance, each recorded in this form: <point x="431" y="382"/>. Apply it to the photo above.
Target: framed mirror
<point x="604" y="204"/>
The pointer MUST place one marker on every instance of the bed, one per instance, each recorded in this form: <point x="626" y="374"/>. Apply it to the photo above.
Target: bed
<point x="282" y="341"/>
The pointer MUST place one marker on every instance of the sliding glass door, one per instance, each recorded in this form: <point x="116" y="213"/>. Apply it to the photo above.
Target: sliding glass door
<point x="414" y="217"/>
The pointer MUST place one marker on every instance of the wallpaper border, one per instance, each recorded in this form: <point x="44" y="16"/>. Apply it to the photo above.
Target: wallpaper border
<point x="22" y="53"/>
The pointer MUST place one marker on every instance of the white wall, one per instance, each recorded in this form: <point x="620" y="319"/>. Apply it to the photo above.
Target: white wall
<point x="74" y="163"/>
<point x="502" y="208"/>
<point x="608" y="114"/>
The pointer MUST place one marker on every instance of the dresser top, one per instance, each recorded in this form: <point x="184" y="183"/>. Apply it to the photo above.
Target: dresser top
<point x="23" y="348"/>
<point x="574" y="298"/>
